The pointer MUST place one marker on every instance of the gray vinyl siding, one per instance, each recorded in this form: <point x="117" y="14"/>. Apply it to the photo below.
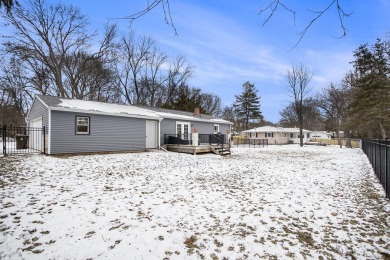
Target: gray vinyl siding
<point x="38" y="109"/>
<point x="168" y="126"/>
<point x="107" y="133"/>
<point x="208" y="128"/>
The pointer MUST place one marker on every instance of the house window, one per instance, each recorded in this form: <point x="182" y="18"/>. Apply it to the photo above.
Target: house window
<point x="216" y="129"/>
<point x="308" y="135"/>
<point x="291" y="135"/>
<point x="270" y="135"/>
<point x="82" y="125"/>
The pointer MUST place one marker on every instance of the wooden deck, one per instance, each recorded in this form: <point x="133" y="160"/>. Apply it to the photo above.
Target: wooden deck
<point x="189" y="148"/>
<point x="197" y="149"/>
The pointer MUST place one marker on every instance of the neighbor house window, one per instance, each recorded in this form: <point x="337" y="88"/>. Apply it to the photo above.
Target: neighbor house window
<point x="82" y="125"/>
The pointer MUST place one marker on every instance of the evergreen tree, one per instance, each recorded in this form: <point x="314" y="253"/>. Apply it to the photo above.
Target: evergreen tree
<point x="187" y="99"/>
<point x="247" y="105"/>
<point x="369" y="111"/>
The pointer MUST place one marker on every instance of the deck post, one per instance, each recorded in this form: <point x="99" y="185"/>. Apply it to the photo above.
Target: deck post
<point x="195" y="138"/>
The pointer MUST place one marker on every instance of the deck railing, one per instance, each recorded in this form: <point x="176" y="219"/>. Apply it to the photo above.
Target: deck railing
<point x="179" y="139"/>
<point x="209" y="139"/>
<point x="217" y="140"/>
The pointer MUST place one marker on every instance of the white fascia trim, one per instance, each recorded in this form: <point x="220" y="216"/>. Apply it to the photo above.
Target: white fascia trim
<point x="102" y="113"/>
<point x="215" y="121"/>
<point x="49" y="133"/>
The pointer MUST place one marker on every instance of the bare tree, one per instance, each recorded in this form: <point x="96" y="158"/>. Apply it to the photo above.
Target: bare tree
<point x="312" y="118"/>
<point x="133" y="54"/>
<point x="146" y="75"/>
<point x="298" y="79"/>
<point x="228" y="114"/>
<point x="155" y="76"/>
<point x="333" y="103"/>
<point x="53" y="35"/>
<point x="14" y="97"/>
<point x="211" y="104"/>
<point x="179" y="74"/>
<point x="8" y="4"/>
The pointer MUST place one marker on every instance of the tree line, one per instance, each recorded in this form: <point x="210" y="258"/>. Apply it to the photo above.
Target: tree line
<point x="52" y="51"/>
<point x="359" y="105"/>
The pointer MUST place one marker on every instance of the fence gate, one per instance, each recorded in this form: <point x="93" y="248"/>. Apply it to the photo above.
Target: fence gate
<point x="23" y="140"/>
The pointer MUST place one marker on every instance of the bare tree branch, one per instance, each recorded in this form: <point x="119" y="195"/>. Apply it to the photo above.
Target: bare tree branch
<point x="274" y="4"/>
<point x="150" y="6"/>
<point x="272" y="7"/>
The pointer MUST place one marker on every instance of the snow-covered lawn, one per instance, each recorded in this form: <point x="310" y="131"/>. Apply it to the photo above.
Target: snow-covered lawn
<point x="277" y="202"/>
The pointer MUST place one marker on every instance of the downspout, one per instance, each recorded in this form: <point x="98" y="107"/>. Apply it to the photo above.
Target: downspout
<point x="49" y="133"/>
<point x="159" y="135"/>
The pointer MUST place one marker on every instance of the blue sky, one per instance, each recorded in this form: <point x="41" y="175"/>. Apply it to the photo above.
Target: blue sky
<point x="227" y="44"/>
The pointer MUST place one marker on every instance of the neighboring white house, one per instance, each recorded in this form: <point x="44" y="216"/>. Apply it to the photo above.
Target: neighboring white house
<point x="278" y="135"/>
<point x="275" y="135"/>
<point x="294" y="135"/>
<point x="321" y="135"/>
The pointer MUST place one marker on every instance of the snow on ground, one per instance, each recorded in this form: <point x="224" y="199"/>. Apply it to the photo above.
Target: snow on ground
<point x="277" y="202"/>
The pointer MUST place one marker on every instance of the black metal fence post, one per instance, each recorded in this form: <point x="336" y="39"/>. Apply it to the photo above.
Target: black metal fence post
<point x="386" y="182"/>
<point x="5" y="140"/>
<point x="44" y="140"/>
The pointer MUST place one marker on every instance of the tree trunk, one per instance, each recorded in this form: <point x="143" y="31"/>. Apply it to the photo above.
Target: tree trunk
<point x="339" y="138"/>
<point x="301" y="136"/>
<point x="383" y="131"/>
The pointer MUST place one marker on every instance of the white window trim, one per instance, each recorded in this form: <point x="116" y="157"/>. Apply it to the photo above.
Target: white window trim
<point x="182" y="123"/>
<point x="89" y="125"/>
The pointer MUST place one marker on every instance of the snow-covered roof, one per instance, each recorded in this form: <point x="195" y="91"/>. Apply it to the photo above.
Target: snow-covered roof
<point x="265" y="129"/>
<point x="274" y="129"/>
<point x="322" y="132"/>
<point x="296" y="130"/>
<point x="106" y="108"/>
<point x="94" y="107"/>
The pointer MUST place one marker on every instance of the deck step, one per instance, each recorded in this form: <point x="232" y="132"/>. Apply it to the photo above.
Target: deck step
<point x="225" y="153"/>
<point x="219" y="150"/>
